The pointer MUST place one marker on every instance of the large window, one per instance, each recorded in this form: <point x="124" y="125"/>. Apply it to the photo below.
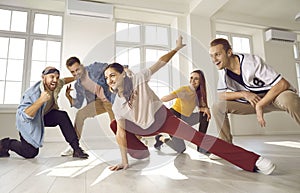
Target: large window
<point x="240" y="43"/>
<point x="139" y="46"/>
<point x="30" y="40"/>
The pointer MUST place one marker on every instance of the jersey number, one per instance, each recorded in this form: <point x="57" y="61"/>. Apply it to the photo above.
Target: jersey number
<point x="258" y="82"/>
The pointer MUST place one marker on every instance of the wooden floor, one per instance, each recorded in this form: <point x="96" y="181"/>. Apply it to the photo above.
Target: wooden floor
<point x="163" y="172"/>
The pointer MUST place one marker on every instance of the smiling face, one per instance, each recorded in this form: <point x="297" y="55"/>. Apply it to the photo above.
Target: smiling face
<point x="114" y="79"/>
<point x="195" y="80"/>
<point x="219" y="56"/>
<point x="50" y="81"/>
<point x="77" y="70"/>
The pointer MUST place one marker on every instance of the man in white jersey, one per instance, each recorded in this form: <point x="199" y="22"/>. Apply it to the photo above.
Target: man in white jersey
<point x="247" y="85"/>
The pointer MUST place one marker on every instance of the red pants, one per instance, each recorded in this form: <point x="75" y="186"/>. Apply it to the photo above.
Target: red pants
<point x="177" y="128"/>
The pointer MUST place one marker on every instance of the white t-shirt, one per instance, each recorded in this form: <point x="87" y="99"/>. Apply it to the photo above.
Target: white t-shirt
<point x="93" y="87"/>
<point x="257" y="77"/>
<point x="145" y="103"/>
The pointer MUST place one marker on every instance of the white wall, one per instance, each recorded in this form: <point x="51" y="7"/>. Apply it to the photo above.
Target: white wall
<point x="90" y="39"/>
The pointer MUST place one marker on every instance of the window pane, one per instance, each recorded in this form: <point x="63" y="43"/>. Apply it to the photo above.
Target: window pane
<point x="298" y="76"/>
<point x="15" y="70"/>
<point x="55" y="25"/>
<point x="54" y="64"/>
<point x="162" y="89"/>
<point x="134" y="33"/>
<point x="19" y="21"/>
<point x="150" y="35"/>
<point x="39" y="50"/>
<point x="151" y="56"/>
<point x="40" y="24"/>
<point x="122" y="32"/>
<point x="2" y="92"/>
<point x="156" y="35"/>
<point x="53" y="53"/>
<point x="3" y="47"/>
<point x="121" y="26"/>
<point x="134" y="57"/>
<point x="122" y="55"/>
<point x="162" y="75"/>
<point x="297" y="50"/>
<point x="2" y="69"/>
<point x="162" y="36"/>
<point x="241" y="45"/>
<point x="222" y="36"/>
<point x="12" y="92"/>
<point x="298" y="69"/>
<point x="5" y="19"/>
<point x="36" y="70"/>
<point x="16" y="48"/>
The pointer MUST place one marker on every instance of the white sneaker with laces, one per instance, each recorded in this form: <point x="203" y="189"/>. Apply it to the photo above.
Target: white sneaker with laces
<point x="264" y="166"/>
<point x="67" y="152"/>
<point x="214" y="157"/>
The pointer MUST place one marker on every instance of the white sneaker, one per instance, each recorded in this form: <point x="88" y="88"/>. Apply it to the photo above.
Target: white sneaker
<point x="214" y="157"/>
<point x="67" y="152"/>
<point x="264" y="166"/>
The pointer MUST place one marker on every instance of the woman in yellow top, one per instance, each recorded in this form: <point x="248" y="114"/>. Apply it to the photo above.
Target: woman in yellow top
<point x="187" y="98"/>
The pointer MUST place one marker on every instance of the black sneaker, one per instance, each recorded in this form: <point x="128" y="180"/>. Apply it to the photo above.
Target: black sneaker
<point x="158" y="143"/>
<point x="4" y="143"/>
<point x="79" y="153"/>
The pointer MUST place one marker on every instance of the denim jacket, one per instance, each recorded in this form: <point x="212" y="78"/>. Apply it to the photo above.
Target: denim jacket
<point x="96" y="73"/>
<point x="32" y="128"/>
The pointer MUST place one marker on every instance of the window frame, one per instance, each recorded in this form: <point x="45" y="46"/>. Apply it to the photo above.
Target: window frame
<point x="297" y="63"/>
<point x="231" y="35"/>
<point x="143" y="46"/>
<point x="29" y="37"/>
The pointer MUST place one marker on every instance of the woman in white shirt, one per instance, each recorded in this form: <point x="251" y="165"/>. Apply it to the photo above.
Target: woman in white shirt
<point x="139" y="111"/>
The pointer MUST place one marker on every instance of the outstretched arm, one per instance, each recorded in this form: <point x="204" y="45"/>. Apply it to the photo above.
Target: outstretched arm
<point x="121" y="139"/>
<point x="168" y="97"/>
<point x="67" y="80"/>
<point x="166" y="58"/>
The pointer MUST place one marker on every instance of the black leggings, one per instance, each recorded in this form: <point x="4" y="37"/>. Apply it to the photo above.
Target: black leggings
<point x="51" y="119"/>
<point x="178" y="144"/>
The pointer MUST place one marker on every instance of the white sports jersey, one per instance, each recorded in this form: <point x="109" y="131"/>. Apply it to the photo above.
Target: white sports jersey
<point x="257" y="77"/>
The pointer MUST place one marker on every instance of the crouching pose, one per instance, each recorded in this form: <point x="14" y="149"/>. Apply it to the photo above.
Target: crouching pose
<point x="38" y="108"/>
<point x="139" y="111"/>
<point x="187" y="98"/>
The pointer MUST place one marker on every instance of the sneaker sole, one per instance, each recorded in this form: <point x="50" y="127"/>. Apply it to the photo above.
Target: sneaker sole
<point x="269" y="171"/>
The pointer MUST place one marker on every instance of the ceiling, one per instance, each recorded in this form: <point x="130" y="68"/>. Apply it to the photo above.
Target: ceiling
<point x="269" y="13"/>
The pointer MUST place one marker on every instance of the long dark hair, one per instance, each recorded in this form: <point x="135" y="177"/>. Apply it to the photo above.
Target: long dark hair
<point x="201" y="90"/>
<point x="128" y="86"/>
